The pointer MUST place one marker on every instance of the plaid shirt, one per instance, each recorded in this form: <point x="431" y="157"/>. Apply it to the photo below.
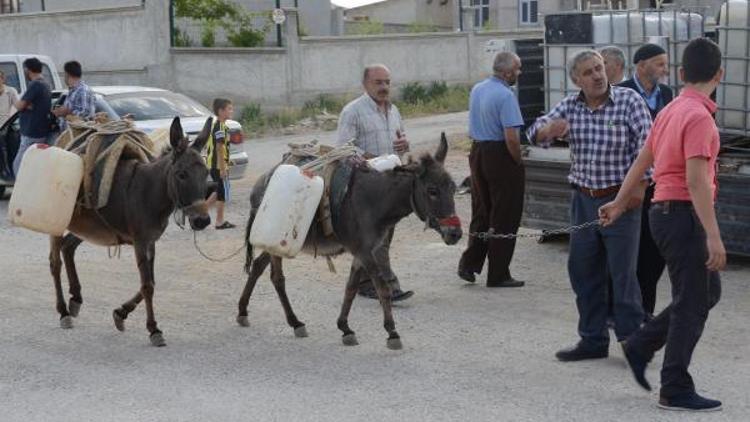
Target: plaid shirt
<point x="372" y="130"/>
<point x="604" y="142"/>
<point x="80" y="101"/>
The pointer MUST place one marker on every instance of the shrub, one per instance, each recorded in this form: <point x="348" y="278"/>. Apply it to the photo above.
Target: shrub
<point x="208" y="32"/>
<point x="413" y="93"/>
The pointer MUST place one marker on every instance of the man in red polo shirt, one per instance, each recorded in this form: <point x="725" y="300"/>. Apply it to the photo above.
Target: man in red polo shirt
<point x="683" y="146"/>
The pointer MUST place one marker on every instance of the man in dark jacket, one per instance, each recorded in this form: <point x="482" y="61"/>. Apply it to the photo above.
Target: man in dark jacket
<point x="651" y="66"/>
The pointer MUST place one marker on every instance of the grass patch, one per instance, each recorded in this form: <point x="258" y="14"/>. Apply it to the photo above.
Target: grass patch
<point x="435" y="98"/>
<point x="318" y="113"/>
<point x="321" y="113"/>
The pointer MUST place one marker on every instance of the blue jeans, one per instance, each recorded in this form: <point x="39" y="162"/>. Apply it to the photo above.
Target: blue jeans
<point x="695" y="290"/>
<point x="26" y="142"/>
<point x="592" y="251"/>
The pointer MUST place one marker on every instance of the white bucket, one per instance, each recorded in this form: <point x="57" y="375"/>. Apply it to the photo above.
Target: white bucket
<point x="46" y="189"/>
<point x="286" y="212"/>
<point x="384" y="162"/>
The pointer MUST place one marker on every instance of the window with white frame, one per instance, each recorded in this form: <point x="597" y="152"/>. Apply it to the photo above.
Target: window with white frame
<point x="528" y="12"/>
<point x="481" y="13"/>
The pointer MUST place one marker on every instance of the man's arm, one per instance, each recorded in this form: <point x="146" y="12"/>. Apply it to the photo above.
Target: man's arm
<point x="347" y="127"/>
<point x="513" y="143"/>
<point x="550" y="126"/>
<point x="631" y="187"/>
<point x="701" y="193"/>
<point x="28" y="97"/>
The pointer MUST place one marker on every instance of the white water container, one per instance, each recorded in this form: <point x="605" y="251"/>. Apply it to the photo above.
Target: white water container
<point x="286" y="212"/>
<point x="46" y="189"/>
<point x="733" y="96"/>
<point x="384" y="162"/>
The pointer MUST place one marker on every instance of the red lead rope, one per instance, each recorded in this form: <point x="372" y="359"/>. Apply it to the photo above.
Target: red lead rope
<point x="452" y="221"/>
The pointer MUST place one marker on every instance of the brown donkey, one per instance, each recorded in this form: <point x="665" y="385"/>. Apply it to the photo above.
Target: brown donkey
<point x="142" y="198"/>
<point x="375" y="203"/>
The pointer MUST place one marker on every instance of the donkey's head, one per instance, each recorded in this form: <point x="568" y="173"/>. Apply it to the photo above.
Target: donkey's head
<point x="187" y="177"/>
<point x="434" y="190"/>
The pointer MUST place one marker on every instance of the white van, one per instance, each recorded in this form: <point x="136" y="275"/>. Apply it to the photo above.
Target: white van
<point x="12" y="67"/>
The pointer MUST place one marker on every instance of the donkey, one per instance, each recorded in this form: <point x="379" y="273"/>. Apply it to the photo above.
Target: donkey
<point x="142" y="198"/>
<point x="373" y="205"/>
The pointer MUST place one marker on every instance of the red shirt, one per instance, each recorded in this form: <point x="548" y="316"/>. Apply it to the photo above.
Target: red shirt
<point x="684" y="129"/>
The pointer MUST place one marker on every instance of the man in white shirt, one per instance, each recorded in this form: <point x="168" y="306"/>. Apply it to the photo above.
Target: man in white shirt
<point x="8" y="97"/>
<point x="374" y="125"/>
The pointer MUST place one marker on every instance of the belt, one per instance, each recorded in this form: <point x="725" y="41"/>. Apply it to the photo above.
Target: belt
<point x="665" y="206"/>
<point x="598" y="193"/>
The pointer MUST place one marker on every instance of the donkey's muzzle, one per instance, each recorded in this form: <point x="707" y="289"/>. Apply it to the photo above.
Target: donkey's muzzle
<point x="200" y="222"/>
<point x="450" y="230"/>
<point x="197" y="214"/>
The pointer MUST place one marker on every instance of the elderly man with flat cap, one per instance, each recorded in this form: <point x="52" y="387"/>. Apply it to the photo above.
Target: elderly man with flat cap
<point x="651" y="66"/>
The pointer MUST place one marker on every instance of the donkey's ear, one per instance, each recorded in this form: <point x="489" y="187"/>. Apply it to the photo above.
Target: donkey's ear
<point x="442" y="150"/>
<point x="200" y="140"/>
<point x="176" y="136"/>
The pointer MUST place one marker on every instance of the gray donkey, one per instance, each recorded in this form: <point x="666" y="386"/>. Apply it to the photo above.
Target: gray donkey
<point x="142" y="198"/>
<point x="373" y="205"/>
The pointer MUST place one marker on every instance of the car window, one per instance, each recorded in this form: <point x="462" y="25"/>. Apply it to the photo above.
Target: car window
<point x="155" y="105"/>
<point x="11" y="75"/>
<point x="47" y="76"/>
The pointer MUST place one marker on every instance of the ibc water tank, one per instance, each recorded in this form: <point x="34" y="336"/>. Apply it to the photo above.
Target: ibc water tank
<point x="733" y="96"/>
<point x="46" y="189"/>
<point x="286" y="211"/>
<point x="568" y="33"/>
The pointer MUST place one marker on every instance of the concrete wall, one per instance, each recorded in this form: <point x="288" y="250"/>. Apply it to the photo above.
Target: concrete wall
<point x="116" y="46"/>
<point x="67" y="5"/>
<point x="130" y="46"/>
<point x="389" y="11"/>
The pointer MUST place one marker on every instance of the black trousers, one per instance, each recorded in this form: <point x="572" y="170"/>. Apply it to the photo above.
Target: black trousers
<point x="365" y="281"/>
<point x="695" y="290"/>
<point x="650" y="262"/>
<point x="497" y="188"/>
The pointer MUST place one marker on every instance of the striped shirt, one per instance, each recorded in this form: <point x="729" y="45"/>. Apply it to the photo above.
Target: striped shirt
<point x="372" y="130"/>
<point x="80" y="102"/>
<point x="604" y="142"/>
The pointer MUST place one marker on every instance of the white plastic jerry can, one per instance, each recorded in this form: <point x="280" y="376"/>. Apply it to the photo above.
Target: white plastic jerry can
<point x="46" y="189"/>
<point x="286" y="212"/>
<point x="384" y="162"/>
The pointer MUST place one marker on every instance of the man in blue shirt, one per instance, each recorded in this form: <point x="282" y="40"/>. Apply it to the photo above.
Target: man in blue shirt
<point x="651" y="65"/>
<point x="497" y="173"/>
<point x="34" y="107"/>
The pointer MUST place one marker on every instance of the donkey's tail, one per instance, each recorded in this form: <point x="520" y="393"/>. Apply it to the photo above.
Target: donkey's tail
<point x="248" y="245"/>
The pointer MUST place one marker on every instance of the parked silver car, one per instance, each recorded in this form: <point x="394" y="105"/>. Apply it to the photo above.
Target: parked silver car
<point x="153" y="108"/>
<point x="150" y="108"/>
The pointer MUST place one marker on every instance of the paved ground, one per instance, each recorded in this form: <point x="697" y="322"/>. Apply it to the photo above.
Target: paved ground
<point x="470" y="353"/>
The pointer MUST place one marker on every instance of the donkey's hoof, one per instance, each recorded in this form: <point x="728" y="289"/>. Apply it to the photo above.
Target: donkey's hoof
<point x="74" y="308"/>
<point x="394" y="344"/>
<point x="119" y="321"/>
<point x="300" y="331"/>
<point x="157" y="339"/>
<point x="66" y="322"/>
<point x="350" y="339"/>
<point x="243" y="321"/>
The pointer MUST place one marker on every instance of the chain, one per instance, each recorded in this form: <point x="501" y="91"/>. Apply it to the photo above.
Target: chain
<point x="490" y="234"/>
<point x="195" y="242"/>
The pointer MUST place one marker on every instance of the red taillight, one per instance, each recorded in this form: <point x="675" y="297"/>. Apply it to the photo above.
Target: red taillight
<point x="237" y="137"/>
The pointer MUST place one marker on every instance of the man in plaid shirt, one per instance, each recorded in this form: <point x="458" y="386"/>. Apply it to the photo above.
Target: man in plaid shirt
<point x="80" y="99"/>
<point x="606" y="127"/>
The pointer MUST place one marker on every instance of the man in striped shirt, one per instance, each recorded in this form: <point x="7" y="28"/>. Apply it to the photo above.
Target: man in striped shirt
<point x="606" y="127"/>
<point x="374" y="125"/>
